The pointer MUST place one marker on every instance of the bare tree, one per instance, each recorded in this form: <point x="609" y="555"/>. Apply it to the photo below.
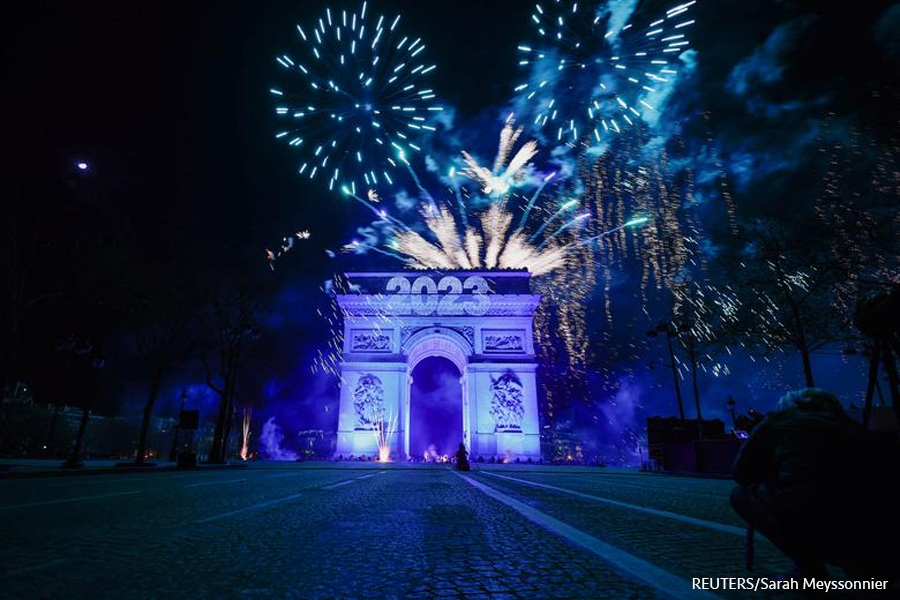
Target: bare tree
<point x="231" y="329"/>
<point x="161" y="335"/>
<point x="698" y="323"/>
<point x="21" y="242"/>
<point x="82" y="356"/>
<point x="788" y="283"/>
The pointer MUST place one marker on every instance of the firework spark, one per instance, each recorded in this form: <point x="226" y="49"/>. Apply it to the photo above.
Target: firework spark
<point x="287" y="244"/>
<point x="384" y="430"/>
<point x="535" y="243"/>
<point x="503" y="176"/>
<point x="353" y="92"/>
<point x="245" y="433"/>
<point x="493" y="242"/>
<point x="327" y="359"/>
<point x="624" y="66"/>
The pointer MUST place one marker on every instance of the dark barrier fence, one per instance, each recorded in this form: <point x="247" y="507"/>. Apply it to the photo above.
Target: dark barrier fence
<point x="712" y="457"/>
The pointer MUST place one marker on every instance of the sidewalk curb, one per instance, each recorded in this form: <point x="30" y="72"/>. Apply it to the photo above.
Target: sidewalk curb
<point x="87" y="471"/>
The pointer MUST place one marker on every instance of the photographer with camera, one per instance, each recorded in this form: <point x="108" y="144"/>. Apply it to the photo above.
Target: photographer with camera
<point x="807" y="480"/>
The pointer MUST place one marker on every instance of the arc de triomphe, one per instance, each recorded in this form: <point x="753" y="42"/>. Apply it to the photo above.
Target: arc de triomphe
<point x="481" y="321"/>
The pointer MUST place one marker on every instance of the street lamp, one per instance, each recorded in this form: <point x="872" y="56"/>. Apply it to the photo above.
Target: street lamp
<point x="97" y="362"/>
<point x="666" y="328"/>
<point x="173" y="452"/>
<point x="731" y="404"/>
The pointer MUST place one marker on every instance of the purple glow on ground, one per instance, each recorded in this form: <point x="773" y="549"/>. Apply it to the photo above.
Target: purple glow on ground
<point x="435" y="407"/>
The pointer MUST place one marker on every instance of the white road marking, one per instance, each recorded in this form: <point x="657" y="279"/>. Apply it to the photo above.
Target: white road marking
<point x="644" y="486"/>
<point x="629" y="565"/>
<point x="26" y="570"/>
<point x="650" y="511"/>
<point x="66" y="500"/>
<point x="221" y="481"/>
<point x="258" y="506"/>
<point x="277" y="501"/>
<point x="349" y="481"/>
<point x="293" y="474"/>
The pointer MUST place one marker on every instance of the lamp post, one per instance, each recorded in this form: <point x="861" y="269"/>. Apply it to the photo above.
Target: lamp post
<point x="667" y="329"/>
<point x="731" y="404"/>
<point x="84" y="350"/>
<point x="173" y="452"/>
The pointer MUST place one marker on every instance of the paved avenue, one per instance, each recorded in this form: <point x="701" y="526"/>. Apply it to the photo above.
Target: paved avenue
<point x="370" y="531"/>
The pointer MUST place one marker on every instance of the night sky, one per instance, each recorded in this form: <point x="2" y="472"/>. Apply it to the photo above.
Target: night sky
<point x="169" y="105"/>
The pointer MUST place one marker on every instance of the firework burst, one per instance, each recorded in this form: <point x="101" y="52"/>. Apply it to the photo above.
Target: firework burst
<point x="498" y="240"/>
<point x="506" y="172"/>
<point x="352" y="95"/>
<point x="593" y="72"/>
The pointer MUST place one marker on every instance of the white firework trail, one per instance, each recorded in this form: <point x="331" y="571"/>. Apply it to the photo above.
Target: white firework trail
<point x="504" y="176"/>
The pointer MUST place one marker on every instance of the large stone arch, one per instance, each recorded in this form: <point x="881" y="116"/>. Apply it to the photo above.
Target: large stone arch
<point x="437" y="341"/>
<point x="444" y="343"/>
<point x="482" y="321"/>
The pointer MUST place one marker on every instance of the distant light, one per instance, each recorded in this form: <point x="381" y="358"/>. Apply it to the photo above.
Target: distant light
<point x="82" y="166"/>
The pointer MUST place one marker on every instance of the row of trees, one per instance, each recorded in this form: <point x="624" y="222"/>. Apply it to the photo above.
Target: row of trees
<point x="219" y="333"/>
<point x="76" y="299"/>
<point x="216" y="334"/>
<point x="775" y="274"/>
<point x="797" y="271"/>
<point x="785" y="290"/>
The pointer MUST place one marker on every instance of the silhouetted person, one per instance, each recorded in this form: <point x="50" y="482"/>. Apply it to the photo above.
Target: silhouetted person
<point x="805" y="482"/>
<point x="749" y="421"/>
<point x="462" y="458"/>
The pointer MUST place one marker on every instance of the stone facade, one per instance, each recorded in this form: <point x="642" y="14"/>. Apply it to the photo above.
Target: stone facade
<point x="479" y="320"/>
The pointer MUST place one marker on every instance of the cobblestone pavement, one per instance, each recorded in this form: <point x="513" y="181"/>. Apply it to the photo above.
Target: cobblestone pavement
<point x="367" y="531"/>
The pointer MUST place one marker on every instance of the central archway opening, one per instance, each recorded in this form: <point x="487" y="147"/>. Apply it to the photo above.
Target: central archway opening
<point x="435" y="414"/>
